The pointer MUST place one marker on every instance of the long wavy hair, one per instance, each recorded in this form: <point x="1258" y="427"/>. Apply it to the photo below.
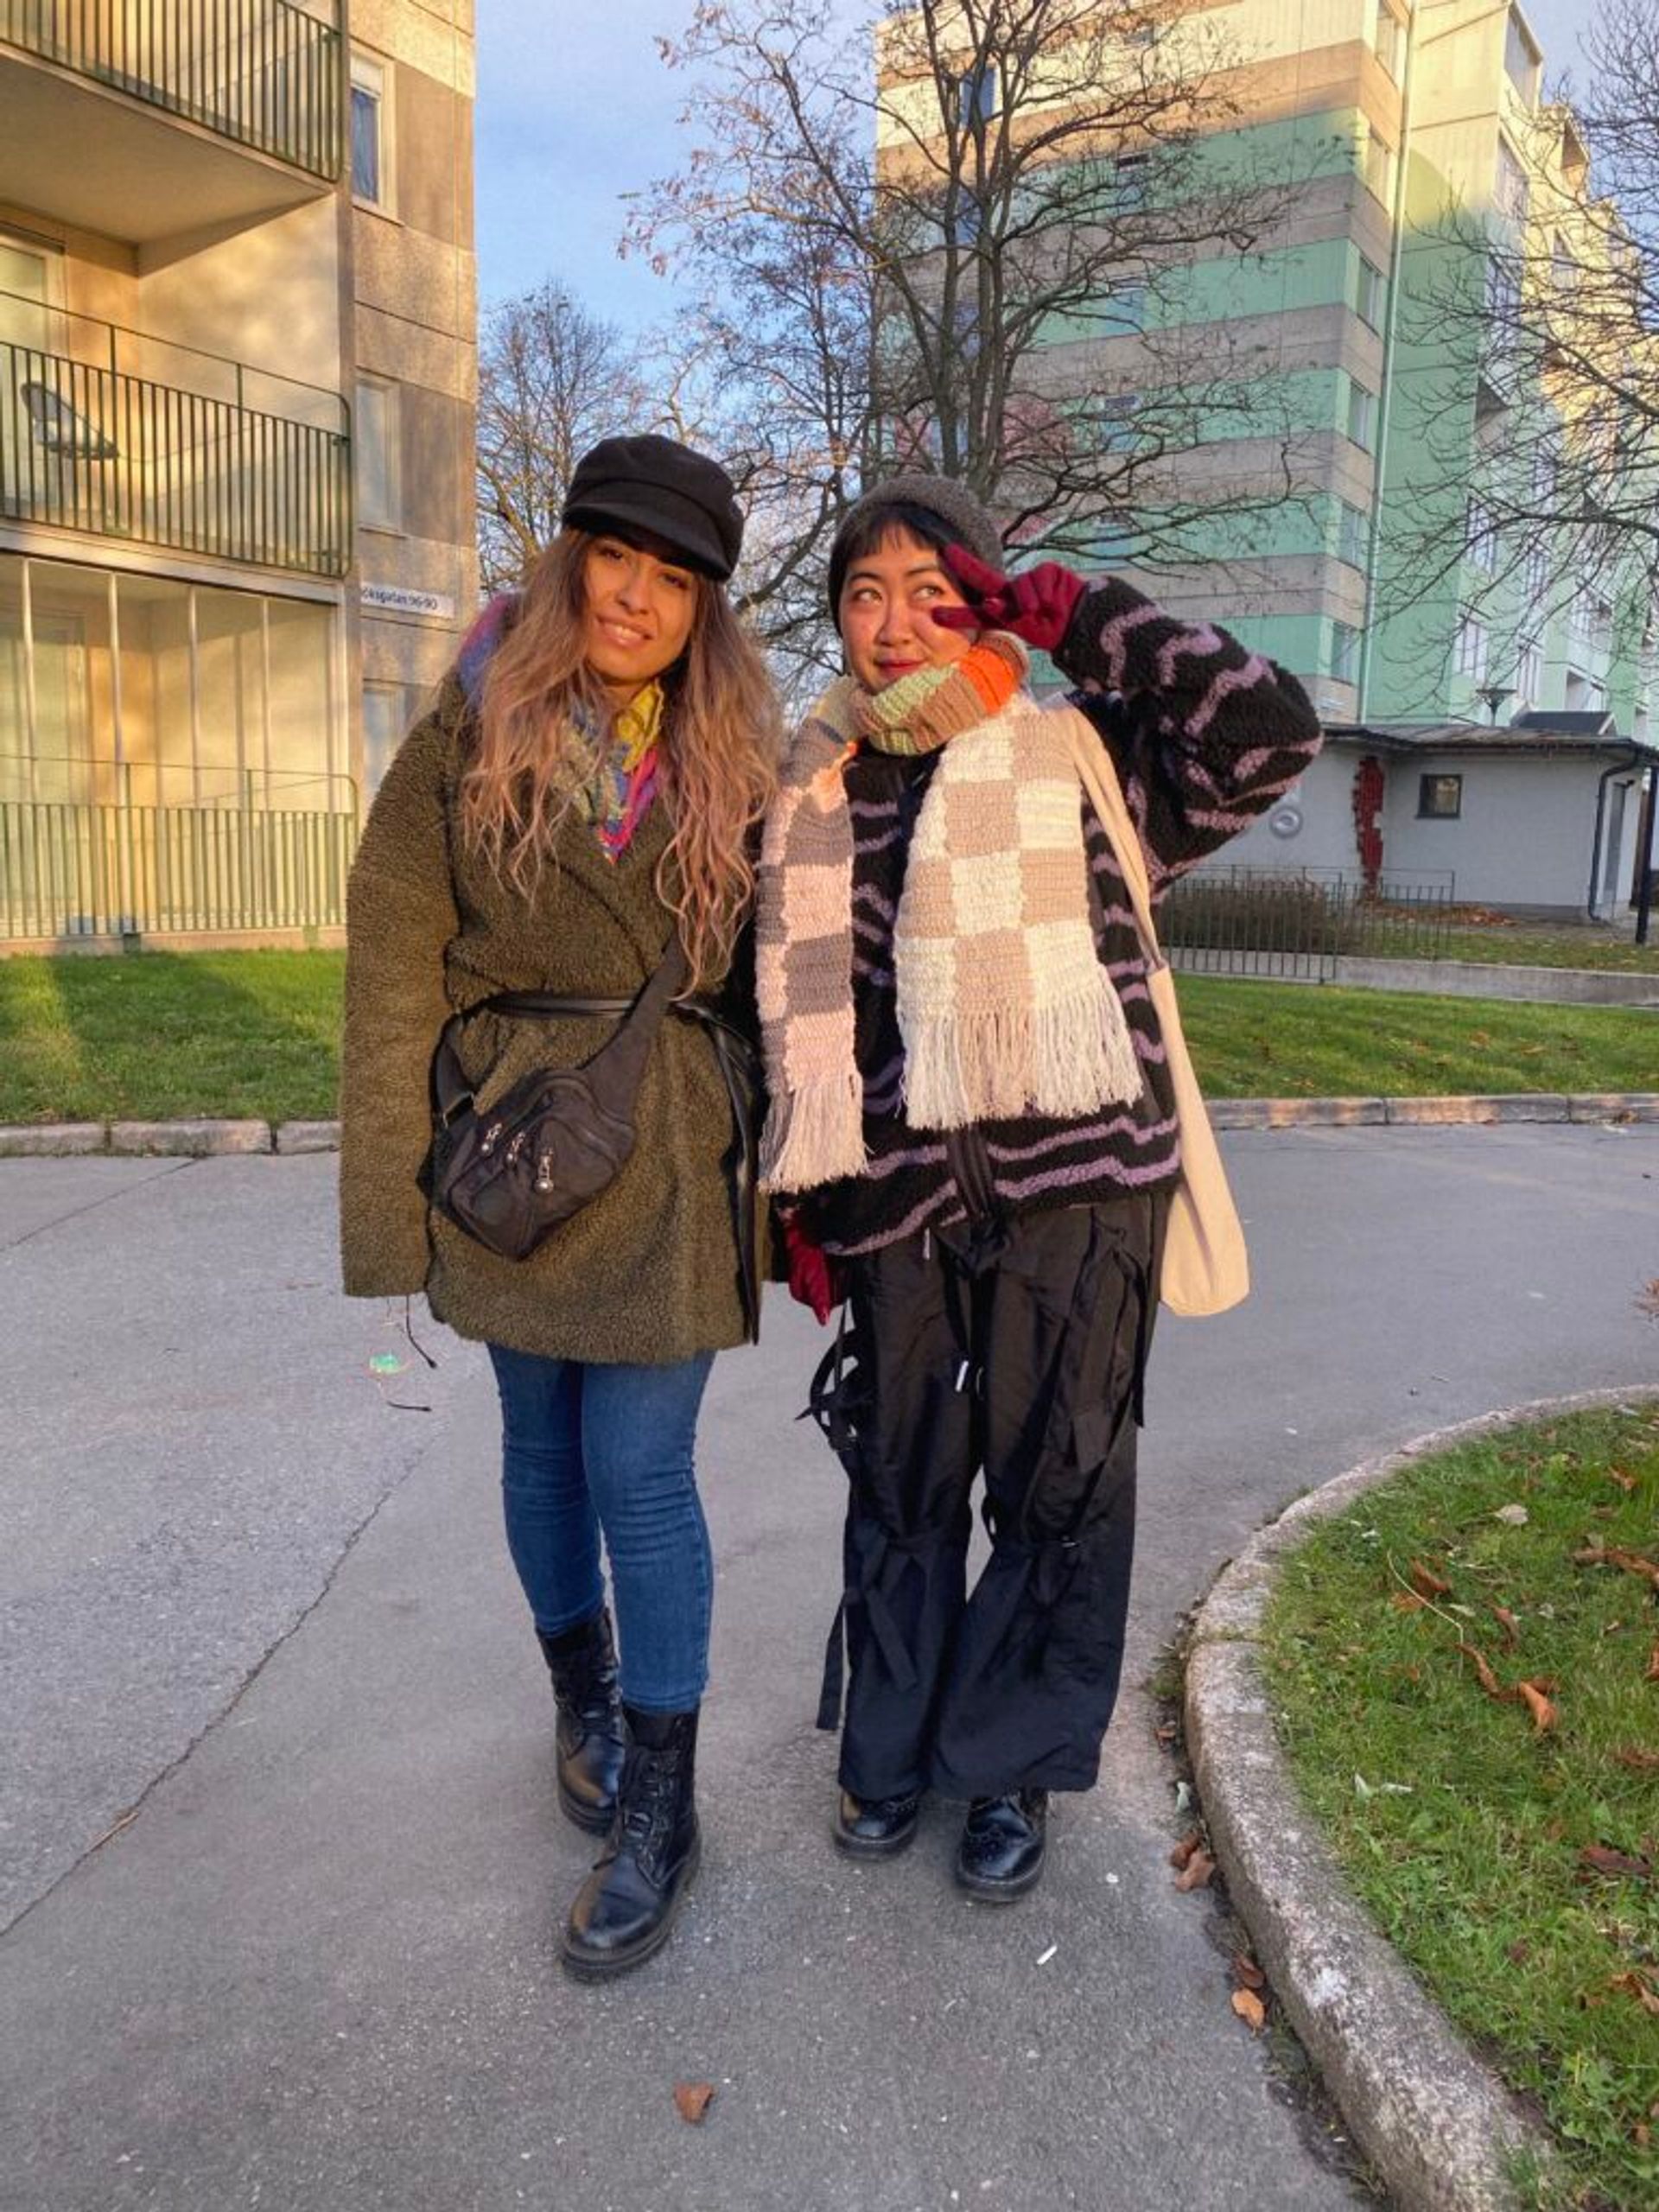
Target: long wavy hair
<point x="719" y="752"/>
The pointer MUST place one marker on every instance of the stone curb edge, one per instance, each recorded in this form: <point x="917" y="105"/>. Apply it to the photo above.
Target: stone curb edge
<point x="1435" y="2121"/>
<point x="199" y="1139"/>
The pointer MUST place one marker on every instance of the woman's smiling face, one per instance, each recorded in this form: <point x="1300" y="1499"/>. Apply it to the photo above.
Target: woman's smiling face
<point x="637" y="613"/>
<point x="888" y="598"/>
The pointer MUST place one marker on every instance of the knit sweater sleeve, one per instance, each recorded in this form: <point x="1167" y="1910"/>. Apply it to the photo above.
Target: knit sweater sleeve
<point x="400" y="916"/>
<point x="1204" y="734"/>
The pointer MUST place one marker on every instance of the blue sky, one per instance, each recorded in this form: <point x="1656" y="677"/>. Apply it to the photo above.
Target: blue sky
<point x="570" y="119"/>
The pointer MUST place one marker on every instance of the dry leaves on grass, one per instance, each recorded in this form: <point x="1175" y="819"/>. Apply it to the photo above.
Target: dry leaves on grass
<point x="1426" y="1583"/>
<point x="1637" y="1758"/>
<point x="694" y="2099"/>
<point x="1510" y="1626"/>
<point x="1614" y="1866"/>
<point x="1615" y="1555"/>
<point x="1251" y="2009"/>
<point x="1534" y="1693"/>
<point x="1639" y="1982"/>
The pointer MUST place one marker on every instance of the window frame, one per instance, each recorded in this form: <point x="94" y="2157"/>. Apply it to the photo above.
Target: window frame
<point x="370" y="78"/>
<point x="1428" y="785"/>
<point x="391" y="520"/>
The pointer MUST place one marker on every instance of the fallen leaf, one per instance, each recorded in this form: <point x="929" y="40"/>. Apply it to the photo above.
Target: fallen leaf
<point x="1510" y="1626"/>
<point x="1626" y="1482"/>
<point x="1544" y="1715"/>
<point x="1251" y="2009"/>
<point x="694" y="2099"/>
<point x="1185" y="1849"/>
<point x="1635" y="1984"/>
<point x="1512" y="1517"/>
<point x="1598" y="1859"/>
<point x="1197" y="1872"/>
<point x="1426" y="1583"/>
<point x="1488" y="1680"/>
<point x="1247" y="1971"/>
<point x="1637" y="1760"/>
<point x="1410" y="1601"/>
<point x="1615" y="1555"/>
<point x="1652" y="1674"/>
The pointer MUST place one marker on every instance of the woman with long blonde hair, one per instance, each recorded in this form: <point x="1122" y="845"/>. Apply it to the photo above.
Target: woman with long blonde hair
<point x="578" y="808"/>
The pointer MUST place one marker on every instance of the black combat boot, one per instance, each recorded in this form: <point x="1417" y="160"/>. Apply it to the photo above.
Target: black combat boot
<point x="591" y="1739"/>
<point x="624" y="1908"/>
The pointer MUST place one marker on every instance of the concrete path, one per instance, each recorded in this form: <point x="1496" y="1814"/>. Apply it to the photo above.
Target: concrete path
<point x="252" y="1592"/>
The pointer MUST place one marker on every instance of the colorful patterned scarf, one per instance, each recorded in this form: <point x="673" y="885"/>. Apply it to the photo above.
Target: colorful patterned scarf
<point x="1004" y="1007"/>
<point x="619" y="781"/>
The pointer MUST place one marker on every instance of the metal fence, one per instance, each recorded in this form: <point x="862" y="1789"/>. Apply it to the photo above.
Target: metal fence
<point x="261" y="71"/>
<point x="70" y="871"/>
<point x="1252" y="921"/>
<point x="94" y="447"/>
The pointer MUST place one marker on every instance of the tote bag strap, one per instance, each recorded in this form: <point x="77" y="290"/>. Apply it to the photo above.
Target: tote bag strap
<point x="1205" y="1264"/>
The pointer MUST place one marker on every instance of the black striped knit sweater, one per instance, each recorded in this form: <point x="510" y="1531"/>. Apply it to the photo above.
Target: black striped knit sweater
<point x="1204" y="735"/>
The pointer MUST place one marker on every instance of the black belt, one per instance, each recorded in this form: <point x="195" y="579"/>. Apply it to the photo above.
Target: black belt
<point x="740" y="1071"/>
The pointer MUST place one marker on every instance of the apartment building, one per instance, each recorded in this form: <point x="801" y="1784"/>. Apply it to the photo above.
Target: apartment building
<point x="1407" y="128"/>
<point x="238" y="370"/>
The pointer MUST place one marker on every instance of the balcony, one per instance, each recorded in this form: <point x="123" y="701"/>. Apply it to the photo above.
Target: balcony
<point x="144" y="118"/>
<point x="110" y="434"/>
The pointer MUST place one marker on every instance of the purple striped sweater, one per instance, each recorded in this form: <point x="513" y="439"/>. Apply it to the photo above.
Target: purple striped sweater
<point x="1204" y="735"/>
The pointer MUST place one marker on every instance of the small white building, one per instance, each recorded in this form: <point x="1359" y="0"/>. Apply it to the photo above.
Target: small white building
<point x="1542" y="816"/>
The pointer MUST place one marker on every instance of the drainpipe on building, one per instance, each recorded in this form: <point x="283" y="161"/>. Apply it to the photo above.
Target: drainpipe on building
<point x="1614" y="768"/>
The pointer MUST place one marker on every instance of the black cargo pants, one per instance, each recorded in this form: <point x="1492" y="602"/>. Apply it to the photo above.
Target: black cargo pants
<point x="1018" y="1349"/>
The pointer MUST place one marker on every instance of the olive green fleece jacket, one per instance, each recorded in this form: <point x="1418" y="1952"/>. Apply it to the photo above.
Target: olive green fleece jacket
<point x="648" y="1272"/>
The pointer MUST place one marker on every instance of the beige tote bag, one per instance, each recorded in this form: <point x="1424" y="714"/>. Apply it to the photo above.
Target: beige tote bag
<point x="1206" y="1269"/>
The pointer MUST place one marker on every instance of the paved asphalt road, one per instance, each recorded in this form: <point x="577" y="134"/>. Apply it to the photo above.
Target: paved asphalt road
<point x="280" y="1859"/>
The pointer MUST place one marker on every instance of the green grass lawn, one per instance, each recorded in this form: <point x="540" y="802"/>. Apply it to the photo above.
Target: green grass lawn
<point x="1524" y="944"/>
<point x="255" y="1034"/>
<point x="1508" y="1842"/>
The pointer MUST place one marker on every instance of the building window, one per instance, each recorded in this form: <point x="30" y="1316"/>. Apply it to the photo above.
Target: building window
<point x="1129" y="180"/>
<point x="1377" y="162"/>
<point x="1502" y="291"/>
<point x="1361" y="414"/>
<point x="1353" y="531"/>
<point x="1110" y="422"/>
<point x="1369" y="294"/>
<point x="1440" y="799"/>
<point x="1126" y="310"/>
<point x="379" y="501"/>
<point x="384" y="718"/>
<point x="976" y="97"/>
<point x="1511" y="193"/>
<point x="1345" y="653"/>
<point x="1480" y="536"/>
<point x="1530" y="673"/>
<point x="1521" y="60"/>
<point x="1470" y="658"/>
<point x="369" y="165"/>
<point x="1386" y="39"/>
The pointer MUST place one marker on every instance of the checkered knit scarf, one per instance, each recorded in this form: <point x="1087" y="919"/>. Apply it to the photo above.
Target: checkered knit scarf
<point x="1003" y="1006"/>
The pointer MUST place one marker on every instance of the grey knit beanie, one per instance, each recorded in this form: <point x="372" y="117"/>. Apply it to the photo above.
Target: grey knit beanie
<point x="952" y="504"/>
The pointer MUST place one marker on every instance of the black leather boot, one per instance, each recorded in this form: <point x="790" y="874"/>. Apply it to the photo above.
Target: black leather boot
<point x="875" y="1828"/>
<point x="624" y="1908"/>
<point x="591" y="1739"/>
<point x="1004" y="1842"/>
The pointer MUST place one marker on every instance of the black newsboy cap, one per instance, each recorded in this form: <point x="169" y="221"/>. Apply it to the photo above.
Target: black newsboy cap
<point x="657" y="485"/>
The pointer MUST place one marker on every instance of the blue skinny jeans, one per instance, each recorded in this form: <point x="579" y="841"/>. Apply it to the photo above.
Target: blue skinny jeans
<point x="592" y="1450"/>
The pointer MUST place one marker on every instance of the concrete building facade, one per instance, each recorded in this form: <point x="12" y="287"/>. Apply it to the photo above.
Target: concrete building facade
<point x="238" y="372"/>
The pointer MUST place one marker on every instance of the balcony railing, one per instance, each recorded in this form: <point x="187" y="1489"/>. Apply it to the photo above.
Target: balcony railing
<point x="200" y="466"/>
<point x="70" y="872"/>
<point x="260" y="72"/>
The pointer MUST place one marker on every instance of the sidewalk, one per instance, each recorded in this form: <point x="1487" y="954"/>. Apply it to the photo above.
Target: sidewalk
<point x="314" y="1970"/>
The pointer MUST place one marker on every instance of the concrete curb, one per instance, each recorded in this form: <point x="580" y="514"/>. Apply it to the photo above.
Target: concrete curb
<point x="1437" y="2123"/>
<point x="201" y="1139"/>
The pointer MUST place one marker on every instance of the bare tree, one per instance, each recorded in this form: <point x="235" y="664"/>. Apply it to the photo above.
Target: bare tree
<point x="552" y="379"/>
<point x="946" y="235"/>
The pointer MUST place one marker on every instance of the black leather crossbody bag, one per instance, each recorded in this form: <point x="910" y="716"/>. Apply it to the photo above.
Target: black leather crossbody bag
<point x="550" y="1145"/>
<point x="559" y="1137"/>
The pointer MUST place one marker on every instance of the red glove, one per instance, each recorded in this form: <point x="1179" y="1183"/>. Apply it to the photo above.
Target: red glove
<point x="812" y="1272"/>
<point x="1037" y="606"/>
